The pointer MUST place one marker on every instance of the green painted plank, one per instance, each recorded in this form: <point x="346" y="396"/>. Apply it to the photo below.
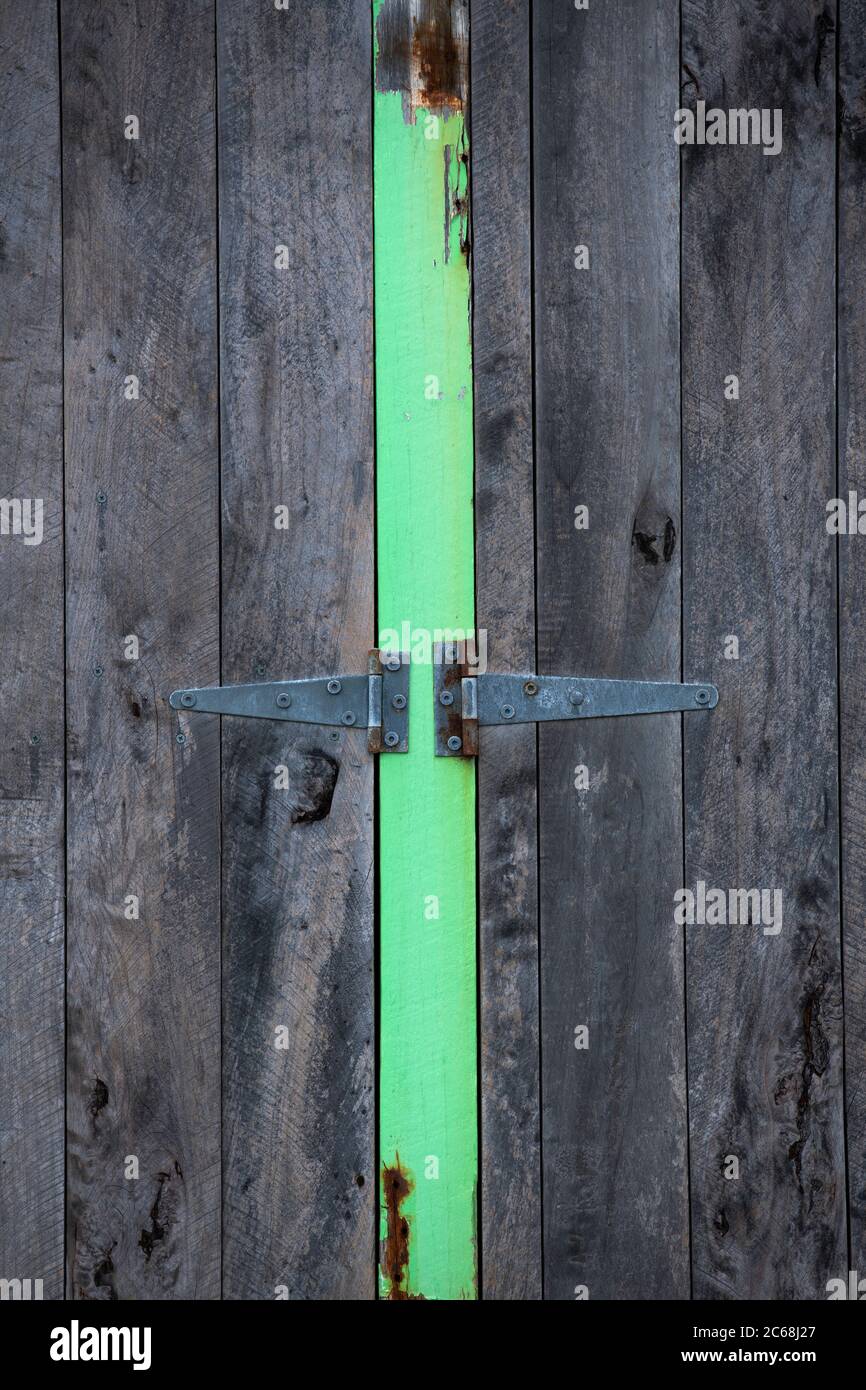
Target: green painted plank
<point x="428" y="1117"/>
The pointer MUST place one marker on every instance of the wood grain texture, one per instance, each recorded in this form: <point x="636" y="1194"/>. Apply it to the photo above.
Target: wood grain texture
<point x="851" y="370"/>
<point x="142" y="560"/>
<point x="505" y="599"/>
<point x="31" y="639"/>
<point x="614" y="1114"/>
<point x="297" y="431"/>
<point x="764" y="1011"/>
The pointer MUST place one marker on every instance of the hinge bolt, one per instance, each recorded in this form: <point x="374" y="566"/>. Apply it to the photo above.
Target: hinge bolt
<point x="455" y="743"/>
<point x="348" y="717"/>
<point x="507" y="711"/>
<point x="399" y="702"/>
<point x="446" y="698"/>
<point x="575" y="697"/>
<point x="284" y="699"/>
<point x="334" y="687"/>
<point x="187" y="699"/>
<point x="391" y="739"/>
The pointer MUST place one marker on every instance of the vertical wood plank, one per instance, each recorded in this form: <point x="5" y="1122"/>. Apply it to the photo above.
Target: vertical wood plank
<point x="142" y="562"/>
<point x="428" y="1088"/>
<point x="505" y="596"/>
<point x="851" y="370"/>
<point x="297" y="433"/>
<point x="31" y="638"/>
<point x="764" y="1010"/>
<point x="614" y="1120"/>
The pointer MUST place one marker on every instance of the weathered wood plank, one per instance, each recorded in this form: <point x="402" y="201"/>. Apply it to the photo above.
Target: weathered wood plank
<point x="505" y="595"/>
<point x="297" y="371"/>
<point x="428" y="1080"/>
<point x="31" y="639"/>
<point x="764" y="1015"/>
<point x="614" y="1118"/>
<point x="142" y="562"/>
<point x="851" y="370"/>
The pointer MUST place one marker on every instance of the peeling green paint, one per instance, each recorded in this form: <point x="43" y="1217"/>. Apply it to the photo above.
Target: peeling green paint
<point x="424" y="467"/>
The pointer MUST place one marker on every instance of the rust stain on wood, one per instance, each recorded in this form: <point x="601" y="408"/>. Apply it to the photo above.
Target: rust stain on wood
<point x="423" y="52"/>
<point x="396" y="1187"/>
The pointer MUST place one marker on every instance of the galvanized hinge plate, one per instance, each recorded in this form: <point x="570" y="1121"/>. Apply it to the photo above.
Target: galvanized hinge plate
<point x="464" y="699"/>
<point x="377" y="702"/>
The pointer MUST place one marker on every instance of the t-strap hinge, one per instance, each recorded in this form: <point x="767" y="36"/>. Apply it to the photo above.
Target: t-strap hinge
<point x="464" y="700"/>
<point x="377" y="702"/>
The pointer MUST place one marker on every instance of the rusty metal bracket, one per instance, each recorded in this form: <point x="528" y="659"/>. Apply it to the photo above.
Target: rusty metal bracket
<point x="377" y="702"/>
<point x="464" y="699"/>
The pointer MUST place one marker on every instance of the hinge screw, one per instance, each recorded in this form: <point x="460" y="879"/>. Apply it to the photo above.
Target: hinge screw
<point x="399" y="702"/>
<point x="507" y="711"/>
<point x="702" y="697"/>
<point x="187" y="699"/>
<point x="530" y="688"/>
<point x="348" y="717"/>
<point x="334" y="687"/>
<point x="450" y="653"/>
<point x="446" y="698"/>
<point x="391" y="739"/>
<point x="284" y="699"/>
<point x="181" y="738"/>
<point x="455" y="743"/>
<point x="393" y="663"/>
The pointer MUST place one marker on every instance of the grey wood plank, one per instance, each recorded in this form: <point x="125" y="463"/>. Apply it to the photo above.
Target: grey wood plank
<point x="297" y="431"/>
<point x="607" y="408"/>
<point x="505" y="598"/>
<point x="31" y="639"/>
<point x="764" y="1011"/>
<point x="142" y="560"/>
<point x="851" y="370"/>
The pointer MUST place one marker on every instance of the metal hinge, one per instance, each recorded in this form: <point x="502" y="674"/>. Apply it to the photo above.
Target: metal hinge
<point x="377" y="702"/>
<point x="463" y="701"/>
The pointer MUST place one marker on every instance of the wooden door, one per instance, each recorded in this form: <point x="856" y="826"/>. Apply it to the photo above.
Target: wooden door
<point x="335" y="325"/>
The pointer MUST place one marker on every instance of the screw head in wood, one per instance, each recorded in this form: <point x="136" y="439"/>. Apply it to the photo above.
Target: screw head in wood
<point x="455" y="743"/>
<point x="181" y="738"/>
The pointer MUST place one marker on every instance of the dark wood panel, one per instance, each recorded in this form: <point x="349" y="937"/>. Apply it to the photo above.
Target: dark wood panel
<point x="607" y="354"/>
<point x="852" y="590"/>
<point x="505" y="594"/>
<point x="142" y="553"/>
<point x="764" y="1010"/>
<point x="296" y="364"/>
<point x="31" y="640"/>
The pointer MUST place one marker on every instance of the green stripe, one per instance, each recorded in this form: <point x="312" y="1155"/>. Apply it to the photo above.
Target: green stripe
<point x="427" y="805"/>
